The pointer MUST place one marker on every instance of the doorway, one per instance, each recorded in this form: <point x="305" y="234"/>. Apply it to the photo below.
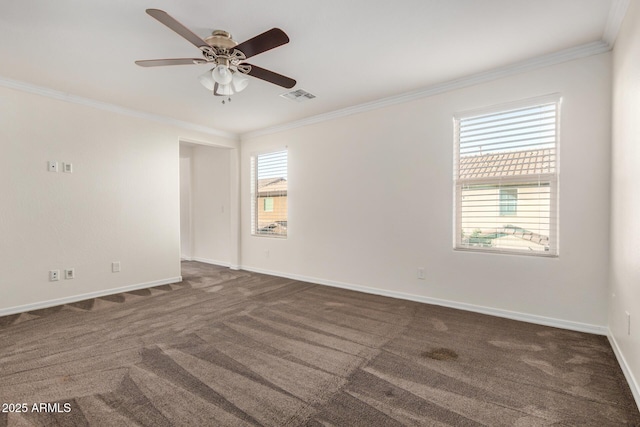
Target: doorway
<point x="207" y="205"/>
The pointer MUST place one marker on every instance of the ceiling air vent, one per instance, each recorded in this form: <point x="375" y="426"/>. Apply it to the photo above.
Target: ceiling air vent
<point x="299" y="95"/>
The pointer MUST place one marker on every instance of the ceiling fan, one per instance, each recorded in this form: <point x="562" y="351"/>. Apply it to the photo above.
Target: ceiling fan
<point x="228" y="57"/>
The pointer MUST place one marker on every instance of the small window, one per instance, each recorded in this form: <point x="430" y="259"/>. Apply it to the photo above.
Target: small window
<point x="506" y="178"/>
<point x="268" y="204"/>
<point x="508" y="201"/>
<point x="269" y="196"/>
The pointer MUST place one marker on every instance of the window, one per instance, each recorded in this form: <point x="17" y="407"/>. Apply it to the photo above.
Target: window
<point x="269" y="194"/>
<point x="506" y="178"/>
<point x="508" y="201"/>
<point x="268" y="204"/>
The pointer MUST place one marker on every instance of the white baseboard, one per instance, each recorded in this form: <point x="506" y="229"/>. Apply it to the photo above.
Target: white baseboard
<point x="82" y="297"/>
<point x="513" y="315"/>
<point x="631" y="380"/>
<point x="211" y="261"/>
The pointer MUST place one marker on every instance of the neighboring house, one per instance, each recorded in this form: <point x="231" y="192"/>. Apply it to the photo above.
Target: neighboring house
<point x="272" y="205"/>
<point x="507" y="215"/>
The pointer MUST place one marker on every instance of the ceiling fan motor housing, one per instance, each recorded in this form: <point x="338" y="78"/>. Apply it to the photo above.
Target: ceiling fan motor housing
<point x="221" y="39"/>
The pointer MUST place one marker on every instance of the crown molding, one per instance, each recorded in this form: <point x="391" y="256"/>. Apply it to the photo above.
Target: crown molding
<point x="565" y="55"/>
<point x="63" y="96"/>
<point x="614" y="21"/>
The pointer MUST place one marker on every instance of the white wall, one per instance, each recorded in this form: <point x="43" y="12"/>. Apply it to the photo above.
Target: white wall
<point x="121" y="203"/>
<point x="625" y="199"/>
<point x="371" y="200"/>
<point x="186" y="245"/>
<point x="211" y="228"/>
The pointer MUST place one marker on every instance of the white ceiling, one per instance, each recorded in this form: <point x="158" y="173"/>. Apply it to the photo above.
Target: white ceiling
<point x="344" y="52"/>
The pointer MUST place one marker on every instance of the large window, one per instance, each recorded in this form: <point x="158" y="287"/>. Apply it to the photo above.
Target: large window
<point x="269" y="194"/>
<point x="506" y="178"/>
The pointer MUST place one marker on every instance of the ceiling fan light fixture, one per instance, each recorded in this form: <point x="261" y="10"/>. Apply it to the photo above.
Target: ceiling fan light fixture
<point x="239" y="82"/>
<point x="206" y="80"/>
<point x="222" y="74"/>
<point x="223" y="90"/>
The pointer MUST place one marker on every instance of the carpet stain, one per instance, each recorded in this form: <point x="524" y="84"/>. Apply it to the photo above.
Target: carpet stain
<point x="439" y="325"/>
<point x="441" y="354"/>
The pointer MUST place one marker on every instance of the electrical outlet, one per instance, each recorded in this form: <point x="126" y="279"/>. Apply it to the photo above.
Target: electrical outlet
<point x="52" y="166"/>
<point x="628" y="322"/>
<point x="54" y="275"/>
<point x="115" y="267"/>
<point x="421" y="274"/>
<point x="70" y="273"/>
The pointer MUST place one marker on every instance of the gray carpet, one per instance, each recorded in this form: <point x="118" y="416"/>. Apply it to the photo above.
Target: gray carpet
<point x="233" y="348"/>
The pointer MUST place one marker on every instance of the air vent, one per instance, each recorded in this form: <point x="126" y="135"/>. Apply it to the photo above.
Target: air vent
<point x="299" y="95"/>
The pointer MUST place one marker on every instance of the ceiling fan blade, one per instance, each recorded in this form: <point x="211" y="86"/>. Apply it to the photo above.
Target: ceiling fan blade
<point x="176" y="61"/>
<point x="186" y="33"/>
<point x="271" y="77"/>
<point x="263" y="42"/>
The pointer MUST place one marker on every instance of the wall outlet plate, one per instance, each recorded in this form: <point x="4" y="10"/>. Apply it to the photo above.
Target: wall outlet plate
<point x="70" y="273"/>
<point x="115" y="267"/>
<point x="52" y="166"/>
<point x="54" y="275"/>
<point x="67" y="167"/>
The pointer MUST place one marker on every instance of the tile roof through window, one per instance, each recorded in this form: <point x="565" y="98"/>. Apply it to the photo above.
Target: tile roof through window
<point x="270" y="187"/>
<point x="511" y="163"/>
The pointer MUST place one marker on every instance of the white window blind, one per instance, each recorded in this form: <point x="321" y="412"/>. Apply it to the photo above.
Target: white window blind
<point x="269" y="194"/>
<point x="506" y="179"/>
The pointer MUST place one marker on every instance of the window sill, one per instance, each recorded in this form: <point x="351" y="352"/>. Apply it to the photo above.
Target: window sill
<point x="507" y="252"/>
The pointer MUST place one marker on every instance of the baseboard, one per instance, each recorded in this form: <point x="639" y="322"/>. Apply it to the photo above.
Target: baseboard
<point x="513" y="315"/>
<point x="211" y="261"/>
<point x="631" y="380"/>
<point x="82" y="297"/>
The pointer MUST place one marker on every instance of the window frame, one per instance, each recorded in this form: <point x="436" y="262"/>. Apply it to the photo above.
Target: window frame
<point x="254" y="201"/>
<point x="552" y="179"/>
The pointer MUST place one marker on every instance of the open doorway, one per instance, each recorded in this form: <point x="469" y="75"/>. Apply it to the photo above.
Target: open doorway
<point x="206" y="204"/>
